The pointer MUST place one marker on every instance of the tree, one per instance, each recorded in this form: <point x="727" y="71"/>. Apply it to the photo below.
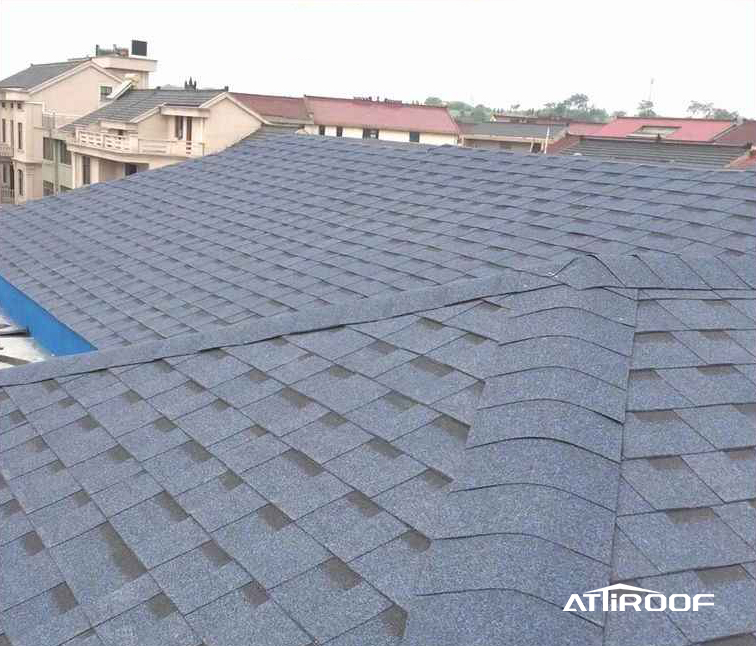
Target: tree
<point x="708" y="111"/>
<point x="433" y="100"/>
<point x="646" y="109"/>
<point x="576" y="107"/>
<point x="618" y="113"/>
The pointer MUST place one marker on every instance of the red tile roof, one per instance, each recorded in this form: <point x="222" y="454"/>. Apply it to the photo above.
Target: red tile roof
<point x="383" y="115"/>
<point x="744" y="133"/>
<point x="688" y="129"/>
<point x="584" y="127"/>
<point x="747" y="161"/>
<point x="283" y="107"/>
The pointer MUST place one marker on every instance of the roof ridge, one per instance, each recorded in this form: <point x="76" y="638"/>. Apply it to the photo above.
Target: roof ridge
<point x="527" y="457"/>
<point x="307" y="320"/>
<point x="581" y="272"/>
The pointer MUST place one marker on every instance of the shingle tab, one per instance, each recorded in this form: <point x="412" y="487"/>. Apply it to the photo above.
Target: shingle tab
<point x="375" y="398"/>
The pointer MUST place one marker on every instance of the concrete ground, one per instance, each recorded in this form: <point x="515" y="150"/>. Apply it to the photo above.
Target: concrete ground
<point x="17" y="350"/>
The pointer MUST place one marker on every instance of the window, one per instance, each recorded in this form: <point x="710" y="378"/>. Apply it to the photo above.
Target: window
<point x="47" y="149"/>
<point x="20" y="182"/>
<point x="654" y="131"/>
<point x="369" y="133"/>
<point x="415" y="137"/>
<point x="20" y="106"/>
<point x="129" y="169"/>
<point x="3" y="103"/>
<point x="339" y="131"/>
<point x="178" y="127"/>
<point x="105" y="91"/>
<point x="64" y="155"/>
<point x="5" y="173"/>
<point x="321" y="130"/>
<point x="20" y="136"/>
<point x="536" y="147"/>
<point x="86" y="169"/>
<point x="5" y="136"/>
<point x="48" y="188"/>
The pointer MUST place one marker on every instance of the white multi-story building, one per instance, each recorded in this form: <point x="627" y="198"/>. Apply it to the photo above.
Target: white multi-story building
<point x="37" y="102"/>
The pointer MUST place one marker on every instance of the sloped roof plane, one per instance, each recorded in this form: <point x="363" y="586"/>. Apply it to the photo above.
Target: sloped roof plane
<point x="685" y="129"/>
<point x="134" y="103"/>
<point x="279" y="108"/>
<point x="37" y="74"/>
<point x="682" y="153"/>
<point x="474" y="384"/>
<point x="287" y="222"/>
<point x="383" y="115"/>
<point x="443" y="466"/>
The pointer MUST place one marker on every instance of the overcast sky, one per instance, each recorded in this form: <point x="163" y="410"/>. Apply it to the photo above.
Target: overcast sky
<point x="483" y="51"/>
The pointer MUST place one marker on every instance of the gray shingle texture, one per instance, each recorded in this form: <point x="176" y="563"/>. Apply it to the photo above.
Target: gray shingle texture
<point x="293" y="485"/>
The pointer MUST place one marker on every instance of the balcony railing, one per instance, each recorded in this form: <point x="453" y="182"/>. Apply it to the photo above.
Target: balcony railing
<point x="53" y="120"/>
<point x="133" y="144"/>
<point x="7" y="195"/>
<point x="6" y="150"/>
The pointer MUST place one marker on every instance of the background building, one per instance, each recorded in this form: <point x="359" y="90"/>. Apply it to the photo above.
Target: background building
<point x="37" y="102"/>
<point x="518" y="137"/>
<point x="386" y="120"/>
<point x="143" y="129"/>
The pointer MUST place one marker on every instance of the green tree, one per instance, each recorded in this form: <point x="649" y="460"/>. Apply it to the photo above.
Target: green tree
<point x="646" y="109"/>
<point x="576" y="107"/>
<point x="708" y="111"/>
<point x="433" y="100"/>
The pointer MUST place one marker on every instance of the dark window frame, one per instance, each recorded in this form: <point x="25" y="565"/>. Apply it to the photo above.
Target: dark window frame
<point x="414" y="137"/>
<point x="64" y="155"/>
<point x="47" y="148"/>
<point x="321" y="130"/>
<point x="20" y="141"/>
<point x="371" y="133"/>
<point x="339" y="131"/>
<point x="20" y="182"/>
<point x="86" y="170"/>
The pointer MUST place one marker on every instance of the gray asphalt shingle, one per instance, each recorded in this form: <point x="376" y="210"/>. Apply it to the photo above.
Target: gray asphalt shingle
<point x="416" y="462"/>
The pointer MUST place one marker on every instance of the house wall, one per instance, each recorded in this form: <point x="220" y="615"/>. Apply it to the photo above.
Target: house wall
<point x="431" y="138"/>
<point x="76" y="95"/>
<point x="227" y="124"/>
<point x="156" y="126"/>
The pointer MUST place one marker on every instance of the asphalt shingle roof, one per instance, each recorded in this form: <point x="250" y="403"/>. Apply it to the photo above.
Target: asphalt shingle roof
<point x="443" y="458"/>
<point x="284" y="223"/>
<point x="36" y="74"/>
<point x="352" y="475"/>
<point x="712" y="155"/>
<point x="135" y="103"/>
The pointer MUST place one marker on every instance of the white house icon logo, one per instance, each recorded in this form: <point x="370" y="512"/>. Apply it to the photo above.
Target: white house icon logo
<point x="620" y="597"/>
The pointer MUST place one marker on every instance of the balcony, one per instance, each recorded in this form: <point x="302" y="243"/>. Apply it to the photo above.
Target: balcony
<point x="7" y="195"/>
<point x="54" y="120"/>
<point x="132" y="144"/>
<point x="6" y="150"/>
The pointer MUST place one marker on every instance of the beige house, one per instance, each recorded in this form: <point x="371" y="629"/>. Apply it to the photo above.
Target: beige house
<point x="140" y="129"/>
<point x="37" y="102"/>
<point x="387" y="120"/>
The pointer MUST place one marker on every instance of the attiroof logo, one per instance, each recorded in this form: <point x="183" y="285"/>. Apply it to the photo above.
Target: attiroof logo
<point x="620" y="597"/>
